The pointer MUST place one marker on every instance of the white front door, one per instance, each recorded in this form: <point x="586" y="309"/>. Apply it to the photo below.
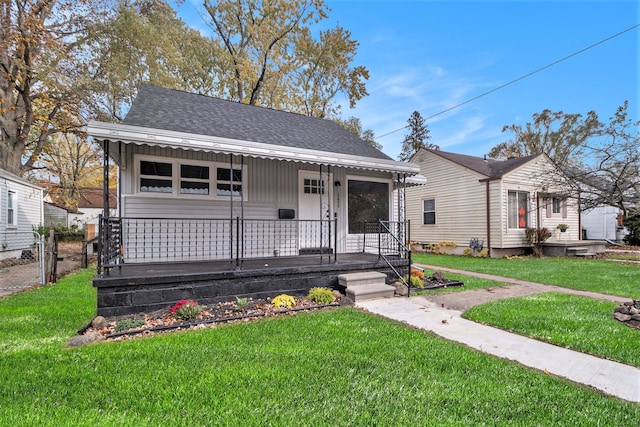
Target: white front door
<point x="314" y="191"/>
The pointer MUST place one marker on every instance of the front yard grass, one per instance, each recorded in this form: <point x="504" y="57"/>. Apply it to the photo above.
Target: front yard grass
<point x="570" y="321"/>
<point x="574" y="273"/>
<point x="332" y="367"/>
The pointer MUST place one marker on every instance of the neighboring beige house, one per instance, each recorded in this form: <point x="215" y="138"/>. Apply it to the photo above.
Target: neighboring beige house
<point x="471" y="200"/>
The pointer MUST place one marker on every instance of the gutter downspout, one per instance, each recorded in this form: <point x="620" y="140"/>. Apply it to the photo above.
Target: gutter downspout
<point x="488" y="214"/>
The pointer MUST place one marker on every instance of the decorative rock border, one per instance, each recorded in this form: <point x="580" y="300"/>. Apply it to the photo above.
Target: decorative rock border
<point x="628" y="313"/>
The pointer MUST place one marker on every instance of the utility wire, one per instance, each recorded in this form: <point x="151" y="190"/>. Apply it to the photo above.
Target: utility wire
<point x="518" y="79"/>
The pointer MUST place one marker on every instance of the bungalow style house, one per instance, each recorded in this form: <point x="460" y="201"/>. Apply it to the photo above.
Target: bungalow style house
<point x="219" y="199"/>
<point x="486" y="205"/>
<point x="21" y="210"/>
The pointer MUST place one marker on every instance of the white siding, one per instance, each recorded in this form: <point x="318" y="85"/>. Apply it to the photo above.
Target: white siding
<point x="29" y="213"/>
<point x="459" y="198"/>
<point x="269" y="185"/>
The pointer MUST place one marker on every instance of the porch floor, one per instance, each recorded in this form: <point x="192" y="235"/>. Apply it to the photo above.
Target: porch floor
<point x="135" y="288"/>
<point x="188" y="268"/>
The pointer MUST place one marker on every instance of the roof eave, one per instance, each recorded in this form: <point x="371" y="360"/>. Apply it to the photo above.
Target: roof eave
<point x="138" y="135"/>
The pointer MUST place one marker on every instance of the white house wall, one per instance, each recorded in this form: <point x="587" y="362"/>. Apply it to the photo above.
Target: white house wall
<point x="270" y="185"/>
<point x="459" y="201"/>
<point x="527" y="178"/>
<point x="29" y="214"/>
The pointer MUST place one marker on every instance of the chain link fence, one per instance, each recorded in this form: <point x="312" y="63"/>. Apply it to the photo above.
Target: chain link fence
<point x="21" y="261"/>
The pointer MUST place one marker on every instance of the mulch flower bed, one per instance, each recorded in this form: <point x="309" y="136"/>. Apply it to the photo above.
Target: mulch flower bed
<point x="163" y="321"/>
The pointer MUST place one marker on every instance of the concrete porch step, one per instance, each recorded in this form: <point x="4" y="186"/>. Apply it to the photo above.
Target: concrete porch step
<point x="366" y="285"/>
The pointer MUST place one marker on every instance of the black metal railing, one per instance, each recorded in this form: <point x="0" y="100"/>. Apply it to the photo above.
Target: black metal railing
<point x="152" y="240"/>
<point x="388" y="238"/>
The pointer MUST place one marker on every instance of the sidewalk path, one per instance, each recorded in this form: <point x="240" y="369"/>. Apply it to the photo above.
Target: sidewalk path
<point x="610" y="377"/>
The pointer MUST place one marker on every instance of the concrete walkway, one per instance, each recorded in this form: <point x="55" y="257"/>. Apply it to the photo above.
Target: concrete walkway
<point x="610" y="377"/>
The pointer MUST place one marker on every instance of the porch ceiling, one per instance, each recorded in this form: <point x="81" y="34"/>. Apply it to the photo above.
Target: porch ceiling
<point x="128" y="134"/>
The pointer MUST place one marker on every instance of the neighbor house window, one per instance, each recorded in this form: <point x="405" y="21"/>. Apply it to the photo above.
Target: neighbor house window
<point x="518" y="209"/>
<point x="156" y="177"/>
<point x="11" y="208"/>
<point x="228" y="182"/>
<point x="429" y="211"/>
<point x="368" y="201"/>
<point x="556" y="205"/>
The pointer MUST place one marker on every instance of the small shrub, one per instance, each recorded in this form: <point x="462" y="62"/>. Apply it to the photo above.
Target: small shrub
<point x="321" y="295"/>
<point x="417" y="273"/>
<point x="482" y="254"/>
<point x="241" y="303"/>
<point x="185" y="309"/>
<point x="126" y="324"/>
<point x="467" y="252"/>
<point x="283" y="301"/>
<point x="414" y="281"/>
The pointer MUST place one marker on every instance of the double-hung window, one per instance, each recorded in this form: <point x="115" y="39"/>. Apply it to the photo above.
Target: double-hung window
<point x="556" y="205"/>
<point x="228" y="182"/>
<point x="180" y="177"/>
<point x="194" y="179"/>
<point x="156" y="177"/>
<point x="12" y="218"/>
<point x="429" y="211"/>
<point x="518" y="209"/>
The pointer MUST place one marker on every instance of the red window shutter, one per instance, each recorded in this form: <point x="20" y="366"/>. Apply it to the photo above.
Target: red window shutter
<point x="549" y="203"/>
<point x="564" y="209"/>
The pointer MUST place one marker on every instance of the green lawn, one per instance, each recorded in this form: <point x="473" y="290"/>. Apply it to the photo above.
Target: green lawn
<point x="469" y="284"/>
<point x="333" y="367"/>
<point x="575" y="273"/>
<point x="579" y="323"/>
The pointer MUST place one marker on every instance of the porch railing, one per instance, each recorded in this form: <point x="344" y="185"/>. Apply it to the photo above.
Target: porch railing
<point x="388" y="238"/>
<point x="152" y="240"/>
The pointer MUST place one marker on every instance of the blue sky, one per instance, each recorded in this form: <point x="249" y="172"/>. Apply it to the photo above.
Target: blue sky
<point x="430" y="55"/>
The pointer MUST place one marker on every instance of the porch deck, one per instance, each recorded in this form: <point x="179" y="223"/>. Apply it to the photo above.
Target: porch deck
<point x="134" y="288"/>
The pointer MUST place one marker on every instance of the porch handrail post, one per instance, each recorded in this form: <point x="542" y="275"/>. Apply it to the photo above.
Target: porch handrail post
<point x="237" y="241"/>
<point x="335" y="238"/>
<point x="364" y="238"/>
<point x="379" y="239"/>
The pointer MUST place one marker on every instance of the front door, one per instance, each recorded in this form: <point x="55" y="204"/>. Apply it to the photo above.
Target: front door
<point x="313" y="205"/>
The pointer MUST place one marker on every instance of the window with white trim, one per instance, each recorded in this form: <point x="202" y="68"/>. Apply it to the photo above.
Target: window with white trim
<point x="156" y="177"/>
<point x="12" y="217"/>
<point x="518" y="209"/>
<point x="556" y="205"/>
<point x="228" y="182"/>
<point x="180" y="177"/>
<point x="429" y="211"/>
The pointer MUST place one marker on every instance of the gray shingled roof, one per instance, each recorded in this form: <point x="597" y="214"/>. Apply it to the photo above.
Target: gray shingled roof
<point x="174" y="110"/>
<point x="490" y="168"/>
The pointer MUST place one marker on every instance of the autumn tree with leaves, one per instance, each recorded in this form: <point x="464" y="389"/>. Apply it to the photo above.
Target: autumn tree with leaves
<point x="43" y="84"/>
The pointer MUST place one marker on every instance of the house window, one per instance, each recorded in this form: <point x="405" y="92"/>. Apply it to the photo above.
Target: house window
<point x="313" y="186"/>
<point x="518" y="209"/>
<point x="429" y="211"/>
<point x="556" y="205"/>
<point x="368" y="201"/>
<point x="156" y="177"/>
<point x="11" y="208"/>
<point x="194" y="179"/>
<point x="225" y="181"/>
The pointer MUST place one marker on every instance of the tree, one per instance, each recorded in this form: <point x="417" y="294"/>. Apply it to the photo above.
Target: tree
<point x="610" y="174"/>
<point x="74" y="164"/>
<point x="324" y="71"/>
<point x="43" y="60"/>
<point x="600" y="161"/>
<point x="417" y="138"/>
<point x="269" y="57"/>
<point x="560" y="136"/>
<point x="354" y="125"/>
<point x="145" y="42"/>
